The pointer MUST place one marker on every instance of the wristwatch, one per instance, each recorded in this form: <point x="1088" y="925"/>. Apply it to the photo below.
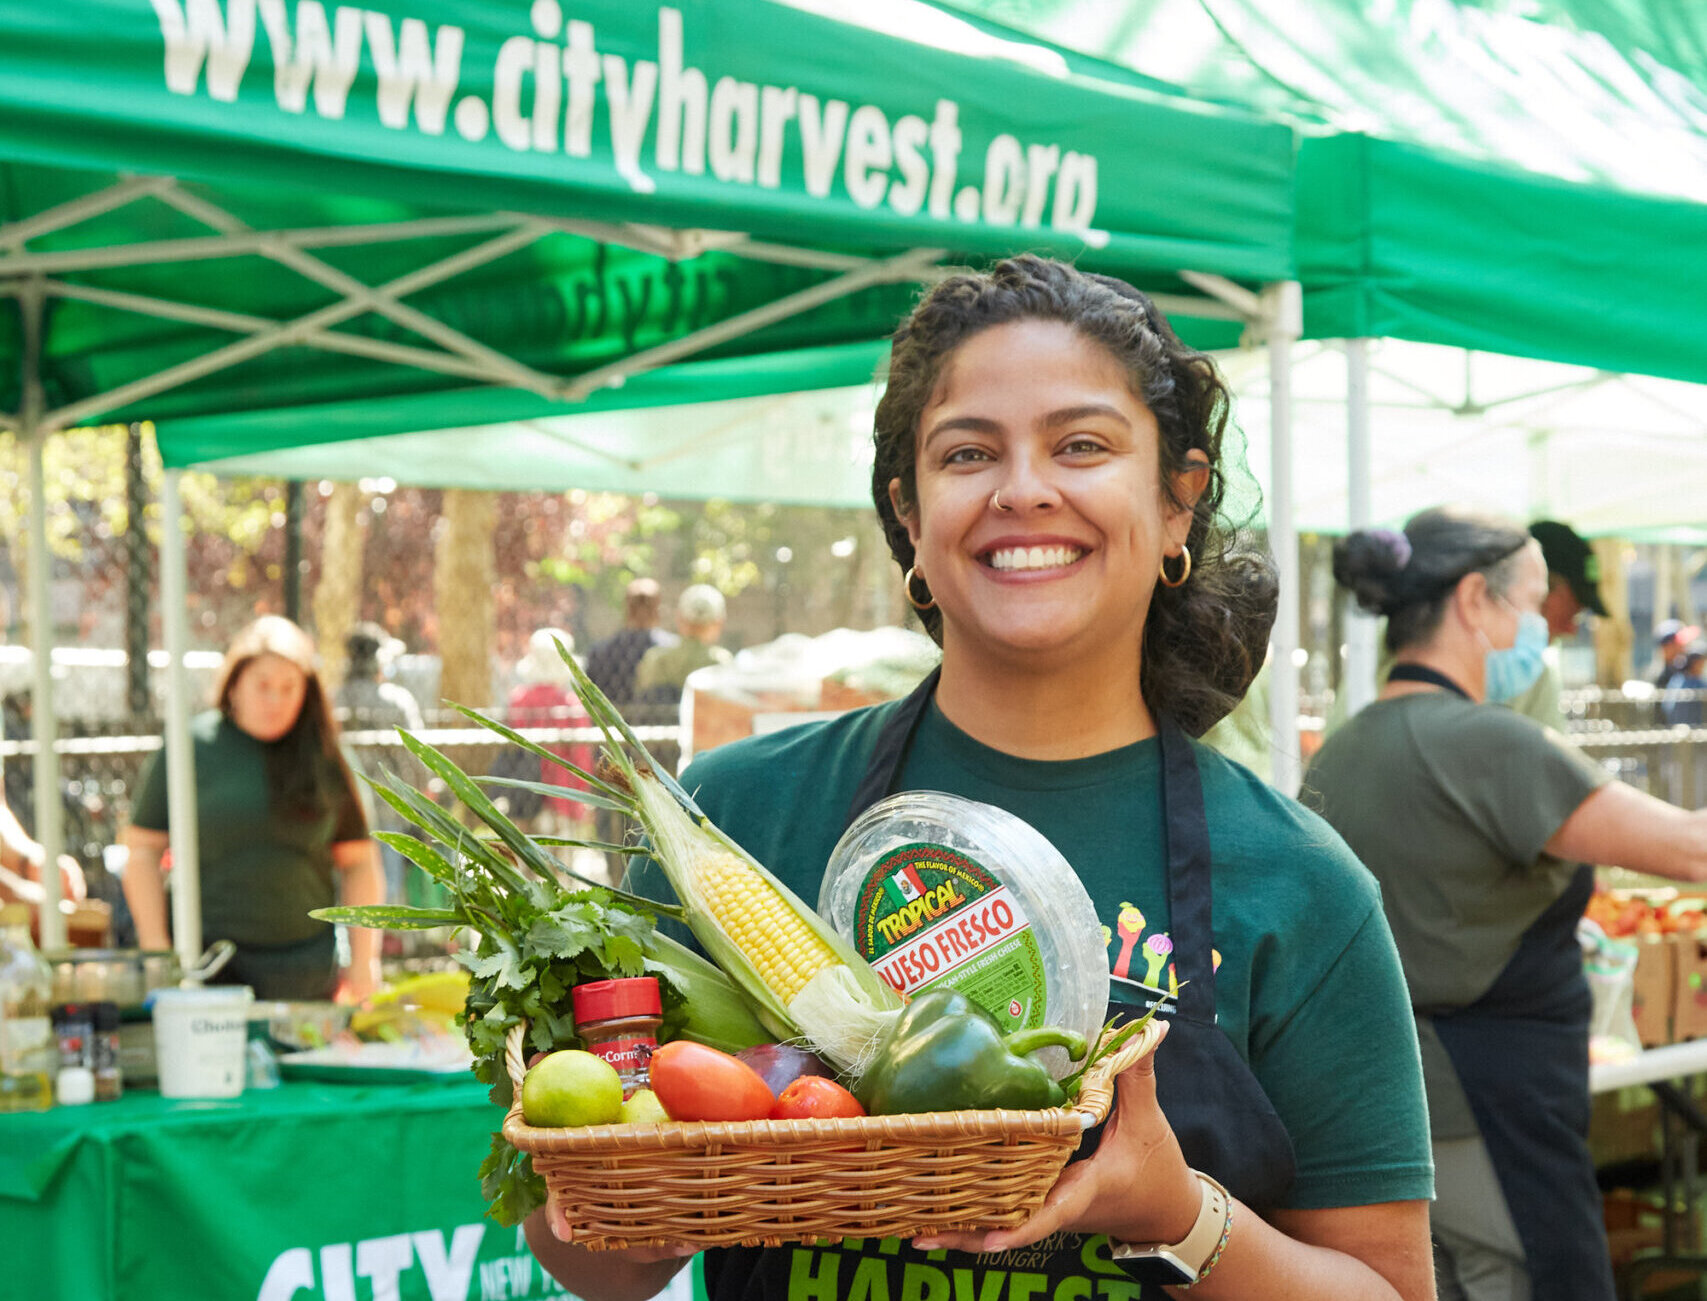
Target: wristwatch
<point x="1181" y="1262"/>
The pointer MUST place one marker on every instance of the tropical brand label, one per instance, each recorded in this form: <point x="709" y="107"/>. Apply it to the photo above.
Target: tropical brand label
<point x="929" y="916"/>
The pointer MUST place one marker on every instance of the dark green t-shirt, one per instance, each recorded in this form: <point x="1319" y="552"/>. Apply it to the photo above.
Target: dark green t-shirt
<point x="262" y="869"/>
<point x="1451" y="805"/>
<point x="1308" y="987"/>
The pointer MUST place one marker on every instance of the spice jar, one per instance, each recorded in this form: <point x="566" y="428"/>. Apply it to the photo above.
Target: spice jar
<point x="618" y="1020"/>
<point x="109" y="1076"/>
<point x="74" y="1026"/>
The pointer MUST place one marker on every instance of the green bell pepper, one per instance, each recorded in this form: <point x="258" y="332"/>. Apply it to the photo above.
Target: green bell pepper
<point x="945" y="1053"/>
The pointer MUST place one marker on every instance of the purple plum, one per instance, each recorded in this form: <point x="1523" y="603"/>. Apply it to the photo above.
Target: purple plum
<point x="779" y="1065"/>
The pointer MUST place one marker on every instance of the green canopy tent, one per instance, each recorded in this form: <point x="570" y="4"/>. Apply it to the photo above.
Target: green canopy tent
<point x="1524" y="179"/>
<point x="265" y="223"/>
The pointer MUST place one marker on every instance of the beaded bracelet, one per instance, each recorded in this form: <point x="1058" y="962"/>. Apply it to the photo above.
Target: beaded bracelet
<point x="1215" y="1256"/>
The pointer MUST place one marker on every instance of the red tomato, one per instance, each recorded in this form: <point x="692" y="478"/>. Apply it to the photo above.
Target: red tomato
<point x="813" y="1095"/>
<point x="699" y="1083"/>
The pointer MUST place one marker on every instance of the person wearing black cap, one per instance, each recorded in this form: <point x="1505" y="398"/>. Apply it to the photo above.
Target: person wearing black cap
<point x="1573" y="590"/>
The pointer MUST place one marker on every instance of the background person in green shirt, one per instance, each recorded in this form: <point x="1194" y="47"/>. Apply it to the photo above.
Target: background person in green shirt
<point x="280" y="827"/>
<point x="1049" y="471"/>
<point x="663" y="671"/>
<point x="1477" y="822"/>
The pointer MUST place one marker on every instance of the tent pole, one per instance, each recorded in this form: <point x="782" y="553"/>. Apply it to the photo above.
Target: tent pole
<point x="180" y="755"/>
<point x="1284" y="311"/>
<point x="1360" y="666"/>
<point x="49" y="824"/>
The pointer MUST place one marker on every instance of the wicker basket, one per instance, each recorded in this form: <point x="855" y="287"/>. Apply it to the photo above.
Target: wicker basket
<point x="765" y="1182"/>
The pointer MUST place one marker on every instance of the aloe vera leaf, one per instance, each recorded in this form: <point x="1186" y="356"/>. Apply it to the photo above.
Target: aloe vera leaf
<point x="391" y="917"/>
<point x="516" y="738"/>
<point x="556" y="792"/>
<point x="422" y="855"/>
<point x="465" y="789"/>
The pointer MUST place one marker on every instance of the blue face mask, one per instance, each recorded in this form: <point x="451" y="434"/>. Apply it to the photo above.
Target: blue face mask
<point x="1513" y="671"/>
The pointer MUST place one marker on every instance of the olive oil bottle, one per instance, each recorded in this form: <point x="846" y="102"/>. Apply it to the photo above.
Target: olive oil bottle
<point x="27" y="1049"/>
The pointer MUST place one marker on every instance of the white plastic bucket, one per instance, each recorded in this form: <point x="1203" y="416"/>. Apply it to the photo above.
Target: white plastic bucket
<point x="199" y="1037"/>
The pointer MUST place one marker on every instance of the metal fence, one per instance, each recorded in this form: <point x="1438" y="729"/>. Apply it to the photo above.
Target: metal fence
<point x="101" y="763"/>
<point x="101" y="767"/>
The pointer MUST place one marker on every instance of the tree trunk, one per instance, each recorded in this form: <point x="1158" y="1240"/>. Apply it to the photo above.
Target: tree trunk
<point x="1614" y="642"/>
<point x="337" y="596"/>
<point x="463" y="577"/>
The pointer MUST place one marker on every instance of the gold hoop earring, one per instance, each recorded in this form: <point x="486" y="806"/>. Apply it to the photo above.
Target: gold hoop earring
<point x="1184" y="573"/>
<point x="907" y="587"/>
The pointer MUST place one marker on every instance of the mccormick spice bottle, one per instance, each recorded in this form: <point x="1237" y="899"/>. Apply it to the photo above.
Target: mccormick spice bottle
<point x="74" y="1027"/>
<point x="109" y="1076"/>
<point x="618" y="1020"/>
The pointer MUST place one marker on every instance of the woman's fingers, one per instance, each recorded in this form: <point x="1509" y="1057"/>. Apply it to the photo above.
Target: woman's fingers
<point x="1096" y="1190"/>
<point x="557" y="1220"/>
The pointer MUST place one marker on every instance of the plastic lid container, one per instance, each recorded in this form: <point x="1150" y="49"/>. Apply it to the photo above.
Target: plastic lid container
<point x="936" y="890"/>
<point x="75" y="1086"/>
<point x="609" y="1000"/>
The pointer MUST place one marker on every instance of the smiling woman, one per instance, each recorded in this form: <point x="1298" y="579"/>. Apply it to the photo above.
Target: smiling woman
<point x="1046" y="389"/>
<point x="1049" y="470"/>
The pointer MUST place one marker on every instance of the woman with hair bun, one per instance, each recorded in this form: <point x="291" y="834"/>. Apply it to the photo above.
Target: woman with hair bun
<point x="1049" y="471"/>
<point x="1478" y="822"/>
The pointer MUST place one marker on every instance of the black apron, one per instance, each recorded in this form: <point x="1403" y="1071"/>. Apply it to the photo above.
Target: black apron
<point x="1219" y="1112"/>
<point x="1520" y="1052"/>
<point x="1225" y="1123"/>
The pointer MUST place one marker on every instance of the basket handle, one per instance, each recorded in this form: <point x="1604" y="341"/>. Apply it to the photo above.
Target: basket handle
<point x="513" y="1060"/>
<point x="1096" y="1093"/>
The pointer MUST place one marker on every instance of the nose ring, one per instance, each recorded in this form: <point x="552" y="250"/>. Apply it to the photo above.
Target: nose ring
<point x="996" y="501"/>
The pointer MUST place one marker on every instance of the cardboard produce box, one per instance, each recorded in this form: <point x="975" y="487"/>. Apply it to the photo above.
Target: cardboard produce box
<point x="1655" y="990"/>
<point x="1689" y="1010"/>
<point x="796" y="678"/>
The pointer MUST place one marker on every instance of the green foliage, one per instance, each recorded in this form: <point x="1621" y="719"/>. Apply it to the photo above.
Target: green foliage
<point x="537" y="941"/>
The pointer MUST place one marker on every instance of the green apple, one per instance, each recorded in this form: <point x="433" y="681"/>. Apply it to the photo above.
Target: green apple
<point x="571" y="1088"/>
<point x="643" y="1108"/>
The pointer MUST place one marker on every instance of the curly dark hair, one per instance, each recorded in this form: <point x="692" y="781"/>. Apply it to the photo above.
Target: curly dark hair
<point x="1203" y="641"/>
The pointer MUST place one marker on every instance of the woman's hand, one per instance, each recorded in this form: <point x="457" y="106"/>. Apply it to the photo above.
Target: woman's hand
<point x="1136" y="1188"/>
<point x="557" y="1219"/>
<point x="635" y="1274"/>
<point x="356" y="983"/>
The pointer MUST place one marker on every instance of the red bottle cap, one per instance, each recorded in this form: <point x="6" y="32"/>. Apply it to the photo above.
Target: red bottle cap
<point x="607" y="1000"/>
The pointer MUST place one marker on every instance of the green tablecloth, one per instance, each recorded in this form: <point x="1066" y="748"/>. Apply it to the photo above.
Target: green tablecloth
<point x="309" y="1192"/>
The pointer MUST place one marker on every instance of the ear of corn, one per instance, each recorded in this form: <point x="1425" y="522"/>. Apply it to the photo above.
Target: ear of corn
<point x="804" y="979"/>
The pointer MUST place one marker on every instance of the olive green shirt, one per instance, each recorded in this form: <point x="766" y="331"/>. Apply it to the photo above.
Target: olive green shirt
<point x="261" y="869"/>
<point x="663" y="669"/>
<point x="1451" y="805"/>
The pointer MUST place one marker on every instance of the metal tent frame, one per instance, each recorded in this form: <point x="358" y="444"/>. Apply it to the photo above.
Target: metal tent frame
<point x="36" y="277"/>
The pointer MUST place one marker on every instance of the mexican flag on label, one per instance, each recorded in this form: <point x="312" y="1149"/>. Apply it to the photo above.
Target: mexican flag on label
<point x="906" y="885"/>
